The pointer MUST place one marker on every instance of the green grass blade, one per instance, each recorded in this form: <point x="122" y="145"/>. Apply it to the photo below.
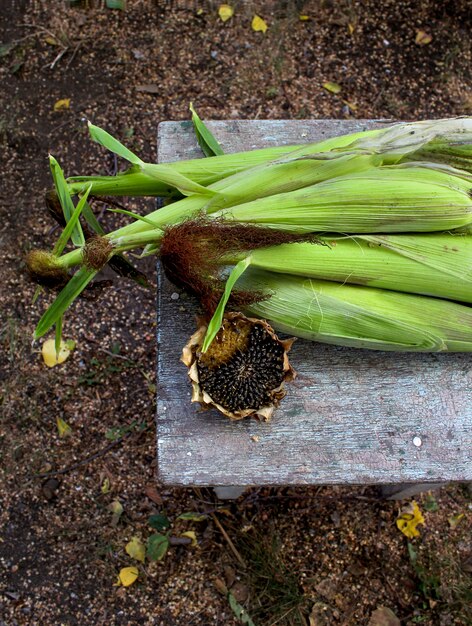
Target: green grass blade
<point x="205" y="138"/>
<point x="67" y="205"/>
<point x="37" y="292"/>
<point x="58" y="337"/>
<point x="65" y="298"/>
<point x="136" y="216"/>
<point x="217" y="319"/>
<point x="90" y="218"/>
<point x="71" y="224"/>
<point x="110" y="143"/>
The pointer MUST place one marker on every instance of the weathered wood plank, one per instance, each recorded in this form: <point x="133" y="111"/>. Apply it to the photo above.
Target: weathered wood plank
<point x="350" y="417"/>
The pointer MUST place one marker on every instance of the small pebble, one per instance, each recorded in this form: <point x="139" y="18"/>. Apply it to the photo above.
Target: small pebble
<point x="417" y="441"/>
<point x="175" y="296"/>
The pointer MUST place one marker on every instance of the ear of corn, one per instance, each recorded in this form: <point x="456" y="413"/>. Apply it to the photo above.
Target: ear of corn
<point x="385" y="199"/>
<point x="431" y="264"/>
<point x="285" y="175"/>
<point x="406" y="178"/>
<point x="360" y="317"/>
<point x="436" y="140"/>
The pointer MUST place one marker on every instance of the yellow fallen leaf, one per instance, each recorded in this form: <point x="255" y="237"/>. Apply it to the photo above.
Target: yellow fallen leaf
<point x="351" y="105"/>
<point x="105" y="488"/>
<point x="127" y="576"/>
<point x="136" y="549"/>
<point x="51" y="41"/>
<point x="200" y="11"/>
<point x="408" y="520"/>
<point x="63" y="427"/>
<point x="423" y="38"/>
<point x="49" y="352"/>
<point x="304" y="18"/>
<point x="62" y="105"/>
<point x="225" y="12"/>
<point x="455" y="520"/>
<point x="351" y="28"/>
<point x="258" y="24"/>
<point x="191" y="534"/>
<point x="117" y="510"/>
<point x="332" y="87"/>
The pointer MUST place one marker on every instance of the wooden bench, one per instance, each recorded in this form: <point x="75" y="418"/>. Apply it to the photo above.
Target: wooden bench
<point x="350" y="417"/>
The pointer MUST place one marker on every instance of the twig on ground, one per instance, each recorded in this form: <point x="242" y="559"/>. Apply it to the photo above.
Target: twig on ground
<point x="83" y="462"/>
<point x="73" y="54"/>
<point x="228" y="540"/>
<point x="58" y="58"/>
<point x="224" y="533"/>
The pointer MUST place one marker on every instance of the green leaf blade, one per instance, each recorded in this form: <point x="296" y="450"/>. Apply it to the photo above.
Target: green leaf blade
<point x="58" y="337"/>
<point x="67" y="205"/>
<point x="110" y="143"/>
<point x="193" y="517"/>
<point x="239" y="610"/>
<point x="206" y="140"/>
<point x="217" y="319"/>
<point x="65" y="298"/>
<point x="71" y="224"/>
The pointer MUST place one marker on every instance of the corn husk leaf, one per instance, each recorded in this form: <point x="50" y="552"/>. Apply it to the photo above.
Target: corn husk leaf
<point x="383" y="199"/>
<point x="359" y="317"/>
<point x="438" y="264"/>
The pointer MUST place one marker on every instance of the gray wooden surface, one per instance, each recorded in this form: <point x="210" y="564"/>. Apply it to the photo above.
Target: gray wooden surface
<point x="350" y="417"/>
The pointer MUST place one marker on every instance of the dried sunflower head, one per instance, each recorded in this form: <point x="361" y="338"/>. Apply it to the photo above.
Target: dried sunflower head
<point x="243" y="372"/>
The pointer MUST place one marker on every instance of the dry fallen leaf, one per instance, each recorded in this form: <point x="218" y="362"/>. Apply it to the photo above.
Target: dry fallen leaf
<point x="49" y="352"/>
<point x="351" y="105"/>
<point x="191" y="534"/>
<point x="152" y="493"/>
<point x="304" y="18"/>
<point x="51" y="41"/>
<point x="225" y="12"/>
<point x="332" y="87"/>
<point x="105" y="488"/>
<point x="351" y="28"/>
<point x="408" y="520"/>
<point x="454" y="521"/>
<point x="63" y="427"/>
<point x="383" y="616"/>
<point x="62" y="105"/>
<point x="423" y="38"/>
<point x="136" y="549"/>
<point x="258" y="24"/>
<point x="127" y="577"/>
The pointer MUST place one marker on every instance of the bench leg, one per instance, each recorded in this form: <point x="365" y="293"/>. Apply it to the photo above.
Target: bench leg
<point x="229" y="493"/>
<point x="405" y="490"/>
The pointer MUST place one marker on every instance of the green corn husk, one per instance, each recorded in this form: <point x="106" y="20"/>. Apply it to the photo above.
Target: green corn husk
<point x="143" y="179"/>
<point x="437" y="265"/>
<point x="359" y="317"/>
<point x="263" y="181"/>
<point x="444" y="141"/>
<point x="381" y="200"/>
